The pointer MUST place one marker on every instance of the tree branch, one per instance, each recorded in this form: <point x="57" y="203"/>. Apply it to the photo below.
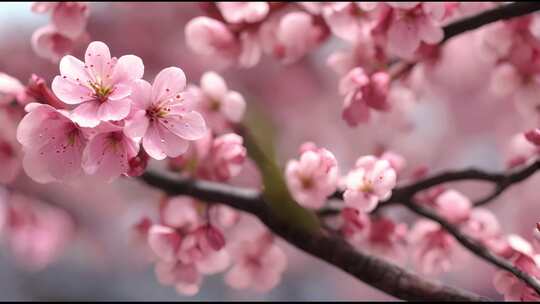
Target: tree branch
<point x="473" y="245"/>
<point x="376" y="272"/>
<point x="503" y="12"/>
<point x="453" y="29"/>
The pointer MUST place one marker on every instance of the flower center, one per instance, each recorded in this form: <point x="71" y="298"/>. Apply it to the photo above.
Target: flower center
<point x="101" y="92"/>
<point x="157" y="112"/>
<point x="215" y="105"/>
<point x="366" y="186"/>
<point x="114" y="141"/>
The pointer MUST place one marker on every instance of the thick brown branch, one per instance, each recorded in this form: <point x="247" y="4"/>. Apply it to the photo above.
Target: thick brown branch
<point x="382" y="275"/>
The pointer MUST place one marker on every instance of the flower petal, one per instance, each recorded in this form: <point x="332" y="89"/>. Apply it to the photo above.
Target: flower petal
<point x="168" y="83"/>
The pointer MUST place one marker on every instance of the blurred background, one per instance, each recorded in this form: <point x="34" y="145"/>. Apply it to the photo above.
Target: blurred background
<point x="448" y="122"/>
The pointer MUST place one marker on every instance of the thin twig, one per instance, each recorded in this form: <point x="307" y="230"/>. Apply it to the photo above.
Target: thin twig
<point x="473" y="246"/>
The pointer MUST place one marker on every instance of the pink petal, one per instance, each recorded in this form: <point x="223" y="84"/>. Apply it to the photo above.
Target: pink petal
<point x="98" y="60"/>
<point x="403" y="38"/>
<point x="164" y="242"/>
<point x="137" y="125"/>
<point x="114" y="110"/>
<point x="168" y="83"/>
<point x="159" y="143"/>
<point x="36" y="168"/>
<point x="429" y="32"/>
<point x="141" y="92"/>
<point x="70" y="18"/>
<point x="213" y="86"/>
<point x="70" y="91"/>
<point x="238" y="277"/>
<point x="120" y="91"/>
<point x="363" y="202"/>
<point x="74" y="69"/>
<point x="86" y="114"/>
<point x="234" y="106"/>
<point x="189" y="126"/>
<point x="104" y="159"/>
<point x="128" y="68"/>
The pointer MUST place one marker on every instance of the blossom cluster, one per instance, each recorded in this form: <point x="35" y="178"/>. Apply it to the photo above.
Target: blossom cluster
<point x="108" y="112"/>
<point x="66" y="30"/>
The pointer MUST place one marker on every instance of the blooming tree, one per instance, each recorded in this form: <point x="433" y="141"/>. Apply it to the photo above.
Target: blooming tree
<point x="228" y="201"/>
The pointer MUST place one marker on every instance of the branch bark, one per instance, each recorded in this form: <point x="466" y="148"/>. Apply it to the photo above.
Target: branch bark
<point x="373" y="271"/>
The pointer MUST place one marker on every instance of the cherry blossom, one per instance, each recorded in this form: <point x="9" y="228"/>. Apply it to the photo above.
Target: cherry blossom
<point x="108" y="152"/>
<point x="258" y="264"/>
<point x="53" y="144"/>
<point x="525" y="260"/>
<point x="11" y="90"/>
<point x="100" y="86"/>
<point x="238" y="12"/>
<point x="406" y="25"/>
<point x="225" y="159"/>
<point x="371" y="181"/>
<point x="313" y="177"/>
<point x="163" y="117"/>
<point x="363" y="92"/>
<point x="220" y="106"/>
<point x="291" y="36"/>
<point x="68" y="17"/>
<point x="434" y="248"/>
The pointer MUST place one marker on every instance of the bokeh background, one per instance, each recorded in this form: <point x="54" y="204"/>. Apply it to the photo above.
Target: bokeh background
<point x="449" y="122"/>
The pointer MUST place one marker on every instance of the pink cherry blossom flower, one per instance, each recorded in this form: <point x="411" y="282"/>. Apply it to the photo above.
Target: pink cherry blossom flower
<point x="409" y="24"/>
<point x="239" y="12"/>
<point x="51" y="44"/>
<point x="68" y="17"/>
<point x="164" y="242"/>
<point x="520" y="151"/>
<point x="11" y="90"/>
<point x="220" y="105"/>
<point x="36" y="233"/>
<point x="226" y="158"/>
<point x="291" y="36"/>
<point x="354" y="223"/>
<point x="180" y="212"/>
<point x="362" y="93"/>
<point x="258" y="263"/>
<point x="53" y="144"/>
<point x="224" y="216"/>
<point x="185" y="277"/>
<point x="313" y="177"/>
<point x="108" y="153"/>
<point x="385" y="238"/>
<point x="396" y="160"/>
<point x="369" y="182"/>
<point x="453" y="206"/>
<point x="483" y="226"/>
<point x="434" y="248"/>
<point x="524" y="259"/>
<point x="100" y="86"/>
<point x="203" y="247"/>
<point x="351" y="21"/>
<point x="212" y="39"/>
<point x="163" y="117"/>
